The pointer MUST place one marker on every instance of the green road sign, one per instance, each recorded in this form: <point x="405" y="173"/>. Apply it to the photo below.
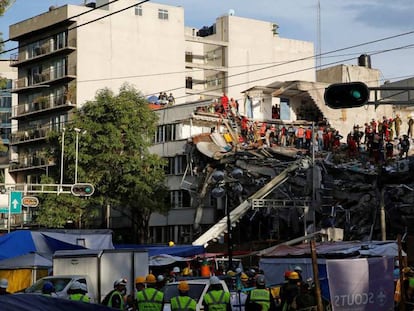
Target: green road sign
<point x="15" y="203"/>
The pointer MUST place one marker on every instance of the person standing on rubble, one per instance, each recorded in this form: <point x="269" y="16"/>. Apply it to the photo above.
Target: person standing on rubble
<point x="397" y="125"/>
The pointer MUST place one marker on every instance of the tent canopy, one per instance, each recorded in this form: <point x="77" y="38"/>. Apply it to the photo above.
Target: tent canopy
<point x="30" y="260"/>
<point x="176" y="250"/>
<point x="340" y="249"/>
<point x="46" y="242"/>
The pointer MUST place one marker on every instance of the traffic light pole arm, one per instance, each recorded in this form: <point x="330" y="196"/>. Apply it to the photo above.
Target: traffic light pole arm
<point x="39" y="188"/>
<point x="387" y="101"/>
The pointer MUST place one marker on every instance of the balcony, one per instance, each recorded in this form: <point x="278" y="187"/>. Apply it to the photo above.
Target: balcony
<point x="30" y="135"/>
<point x="31" y="162"/>
<point x="42" y="105"/>
<point x="44" y="79"/>
<point x="45" y="50"/>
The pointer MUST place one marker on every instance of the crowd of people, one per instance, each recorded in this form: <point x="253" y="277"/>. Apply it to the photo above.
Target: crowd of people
<point x="380" y="141"/>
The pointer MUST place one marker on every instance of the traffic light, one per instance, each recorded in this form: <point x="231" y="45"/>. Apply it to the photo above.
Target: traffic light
<point x="82" y="190"/>
<point x="346" y="95"/>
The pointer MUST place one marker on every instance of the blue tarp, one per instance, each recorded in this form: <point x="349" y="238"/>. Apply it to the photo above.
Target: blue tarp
<point x="176" y="250"/>
<point x="32" y="302"/>
<point x="45" y="243"/>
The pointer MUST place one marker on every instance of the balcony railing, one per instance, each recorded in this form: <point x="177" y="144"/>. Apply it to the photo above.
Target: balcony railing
<point x="45" y="48"/>
<point x="29" y="135"/>
<point x="41" y="104"/>
<point x="31" y="161"/>
<point x="45" y="77"/>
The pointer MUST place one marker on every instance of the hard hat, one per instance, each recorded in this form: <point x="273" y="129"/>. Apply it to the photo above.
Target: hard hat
<point x="140" y="280"/>
<point x="293" y="276"/>
<point x="75" y="285"/>
<point x="238" y="270"/>
<point x="231" y="273"/>
<point x="120" y="282"/>
<point x="83" y="287"/>
<point x="48" y="287"/>
<point x="186" y="271"/>
<point x="4" y="283"/>
<point x="260" y="280"/>
<point x="214" y="280"/>
<point x="287" y="273"/>
<point x="150" y="279"/>
<point x="183" y="286"/>
<point x="244" y="277"/>
<point x="297" y="268"/>
<point x="160" y="278"/>
<point x="171" y="243"/>
<point x="176" y="270"/>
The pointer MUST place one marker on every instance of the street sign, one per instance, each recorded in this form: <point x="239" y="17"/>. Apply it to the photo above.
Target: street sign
<point x="15" y="202"/>
<point x="30" y="201"/>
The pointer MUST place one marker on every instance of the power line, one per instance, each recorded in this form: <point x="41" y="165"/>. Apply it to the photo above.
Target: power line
<point x="78" y="26"/>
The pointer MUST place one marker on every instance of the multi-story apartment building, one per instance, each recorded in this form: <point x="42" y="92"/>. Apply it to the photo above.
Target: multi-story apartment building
<point x="68" y="53"/>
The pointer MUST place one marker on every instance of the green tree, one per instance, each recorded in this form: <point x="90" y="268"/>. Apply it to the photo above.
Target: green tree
<point x="113" y="155"/>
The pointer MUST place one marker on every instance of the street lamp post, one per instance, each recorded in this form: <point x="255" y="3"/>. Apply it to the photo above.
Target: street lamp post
<point x="77" y="130"/>
<point x="223" y="185"/>
<point x="62" y="158"/>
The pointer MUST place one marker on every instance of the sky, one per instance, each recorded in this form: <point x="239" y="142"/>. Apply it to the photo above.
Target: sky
<point x="340" y="30"/>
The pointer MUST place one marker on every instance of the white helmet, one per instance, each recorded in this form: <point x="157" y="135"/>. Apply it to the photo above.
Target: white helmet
<point x="214" y="280"/>
<point x="176" y="270"/>
<point x="75" y="285"/>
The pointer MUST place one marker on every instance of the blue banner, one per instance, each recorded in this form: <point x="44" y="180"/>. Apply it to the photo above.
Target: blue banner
<point x="364" y="284"/>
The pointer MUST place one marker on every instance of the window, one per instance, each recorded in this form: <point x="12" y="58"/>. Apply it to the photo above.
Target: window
<point x="189" y="83"/>
<point x="176" y="165"/>
<point x="188" y="57"/>
<point x="138" y="10"/>
<point x="180" y="199"/>
<point x="59" y="41"/>
<point x="163" y="14"/>
<point x="165" y="133"/>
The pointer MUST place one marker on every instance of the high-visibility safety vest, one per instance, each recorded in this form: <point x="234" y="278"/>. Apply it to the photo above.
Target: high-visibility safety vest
<point x="79" y="297"/>
<point x="217" y="300"/>
<point x="262" y="297"/>
<point x="150" y="299"/>
<point x="183" y="303"/>
<point x="115" y="293"/>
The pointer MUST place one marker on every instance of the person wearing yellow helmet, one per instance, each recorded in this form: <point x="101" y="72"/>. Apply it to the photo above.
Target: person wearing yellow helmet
<point x="150" y="299"/>
<point x="290" y="290"/>
<point x="183" y="302"/>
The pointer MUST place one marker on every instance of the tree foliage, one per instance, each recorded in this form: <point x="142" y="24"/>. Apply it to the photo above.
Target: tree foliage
<point x="114" y="136"/>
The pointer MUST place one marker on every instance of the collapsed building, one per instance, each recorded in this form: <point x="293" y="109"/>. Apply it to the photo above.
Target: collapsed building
<point x="275" y="193"/>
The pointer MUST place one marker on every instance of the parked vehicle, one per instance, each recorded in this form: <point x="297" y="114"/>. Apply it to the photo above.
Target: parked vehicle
<point x="62" y="284"/>
<point x="98" y="269"/>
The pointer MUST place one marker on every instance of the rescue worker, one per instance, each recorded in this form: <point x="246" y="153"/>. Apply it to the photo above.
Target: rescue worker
<point x="290" y="290"/>
<point x="48" y="289"/>
<point x="76" y="293"/>
<point x="139" y="286"/>
<point x="4" y="283"/>
<point x="298" y="270"/>
<point x="260" y="299"/>
<point x="216" y="299"/>
<point x="150" y="299"/>
<point x="115" y="298"/>
<point x="183" y="302"/>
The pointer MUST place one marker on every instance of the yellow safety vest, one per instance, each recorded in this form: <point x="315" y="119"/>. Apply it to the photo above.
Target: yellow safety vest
<point x="114" y="293"/>
<point x="262" y="297"/>
<point x="183" y="303"/>
<point x="150" y="299"/>
<point x="217" y="300"/>
<point x="79" y="297"/>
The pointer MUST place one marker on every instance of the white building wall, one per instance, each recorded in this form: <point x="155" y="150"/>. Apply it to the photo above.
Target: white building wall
<point x="256" y="56"/>
<point x="145" y="51"/>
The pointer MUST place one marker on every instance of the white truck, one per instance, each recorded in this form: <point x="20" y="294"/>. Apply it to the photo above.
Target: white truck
<point x="97" y="268"/>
